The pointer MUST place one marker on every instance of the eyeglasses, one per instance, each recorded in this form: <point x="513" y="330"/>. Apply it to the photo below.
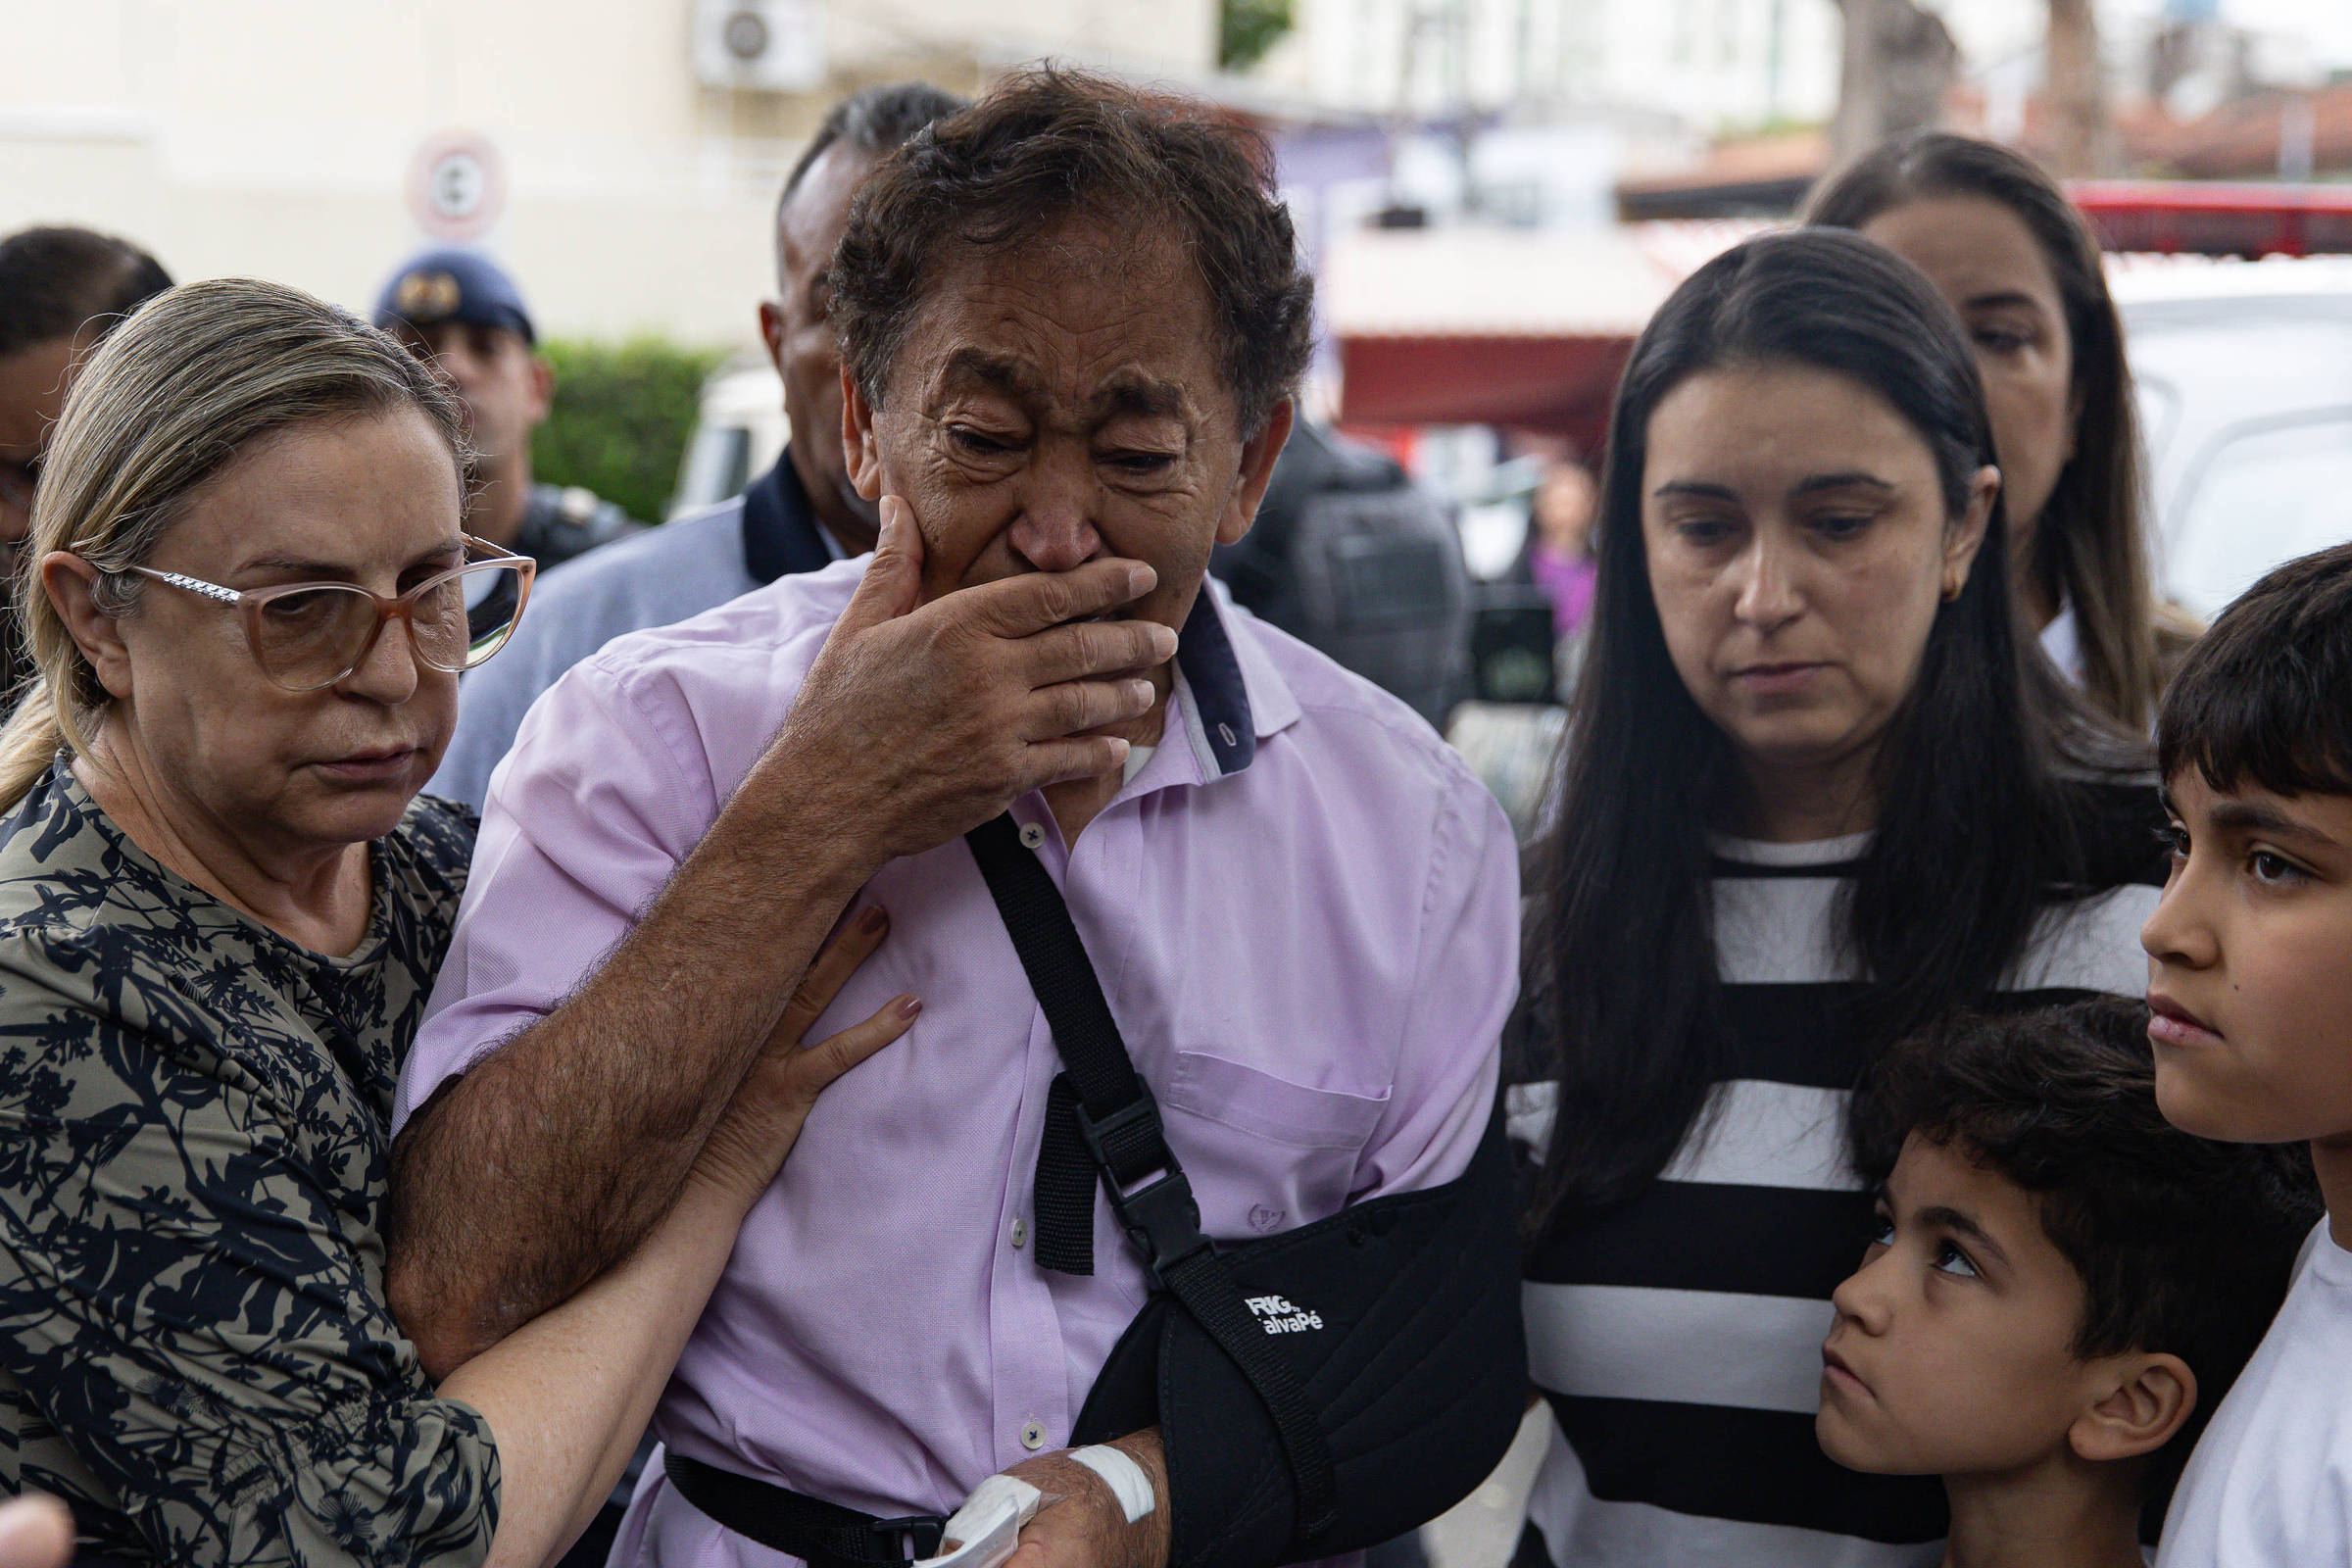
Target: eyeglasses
<point x="309" y="635"/>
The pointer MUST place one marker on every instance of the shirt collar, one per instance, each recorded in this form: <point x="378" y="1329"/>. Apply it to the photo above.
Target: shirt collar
<point x="780" y="532"/>
<point x="1231" y="695"/>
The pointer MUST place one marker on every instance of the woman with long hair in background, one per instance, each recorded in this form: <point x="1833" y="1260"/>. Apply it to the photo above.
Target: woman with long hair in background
<point x="2008" y="251"/>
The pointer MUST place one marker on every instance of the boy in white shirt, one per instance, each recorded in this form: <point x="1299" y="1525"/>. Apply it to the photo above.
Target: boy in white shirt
<point x="2250" y="989"/>
<point x="2062" y="1286"/>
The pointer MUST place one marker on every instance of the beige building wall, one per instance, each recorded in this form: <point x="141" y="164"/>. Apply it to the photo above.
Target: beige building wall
<point x="276" y="137"/>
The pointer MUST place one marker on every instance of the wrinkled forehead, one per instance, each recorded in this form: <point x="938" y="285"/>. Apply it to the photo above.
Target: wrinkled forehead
<point x="1087" y="320"/>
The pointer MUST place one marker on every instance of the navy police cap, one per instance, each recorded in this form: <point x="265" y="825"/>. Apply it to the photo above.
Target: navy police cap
<point x="453" y="286"/>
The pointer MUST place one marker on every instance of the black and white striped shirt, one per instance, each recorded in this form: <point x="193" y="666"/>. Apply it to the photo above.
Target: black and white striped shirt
<point x="1677" y="1338"/>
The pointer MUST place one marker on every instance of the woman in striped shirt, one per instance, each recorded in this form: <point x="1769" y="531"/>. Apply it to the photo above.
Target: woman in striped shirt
<point x="1816" y="792"/>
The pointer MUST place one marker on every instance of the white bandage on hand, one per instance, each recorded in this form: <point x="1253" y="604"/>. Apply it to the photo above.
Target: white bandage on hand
<point x="988" y="1526"/>
<point x="1124" y="1477"/>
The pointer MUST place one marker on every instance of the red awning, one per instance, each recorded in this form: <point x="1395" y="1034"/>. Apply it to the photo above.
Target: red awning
<point x="1522" y="328"/>
<point x="1559" y="385"/>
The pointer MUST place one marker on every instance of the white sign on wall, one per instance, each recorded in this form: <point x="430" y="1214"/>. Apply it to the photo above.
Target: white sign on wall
<point x="457" y="186"/>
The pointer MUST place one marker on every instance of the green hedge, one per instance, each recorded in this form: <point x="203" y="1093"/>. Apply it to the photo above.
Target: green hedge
<point x="622" y="414"/>
<point x="1247" y="28"/>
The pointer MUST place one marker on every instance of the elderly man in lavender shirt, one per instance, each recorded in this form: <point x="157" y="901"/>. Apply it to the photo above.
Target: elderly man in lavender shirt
<point x="1071" y="321"/>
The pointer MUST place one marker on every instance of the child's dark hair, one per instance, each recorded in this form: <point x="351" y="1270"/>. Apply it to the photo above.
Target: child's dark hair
<point x="2183" y="1246"/>
<point x="2260" y="698"/>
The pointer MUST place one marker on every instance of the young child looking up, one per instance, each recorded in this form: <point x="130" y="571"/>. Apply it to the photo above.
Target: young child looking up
<point x="2061" y="1283"/>
<point x="2251" y="991"/>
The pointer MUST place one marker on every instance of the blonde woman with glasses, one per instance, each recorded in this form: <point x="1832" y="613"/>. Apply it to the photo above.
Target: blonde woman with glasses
<point x="221" y="904"/>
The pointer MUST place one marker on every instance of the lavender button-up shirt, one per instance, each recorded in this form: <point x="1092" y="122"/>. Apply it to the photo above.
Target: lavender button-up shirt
<point x="1304" y="910"/>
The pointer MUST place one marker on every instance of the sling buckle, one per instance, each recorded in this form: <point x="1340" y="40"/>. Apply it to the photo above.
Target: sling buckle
<point x="1162" y="1217"/>
<point x="921" y="1533"/>
<point x="1163" y="1221"/>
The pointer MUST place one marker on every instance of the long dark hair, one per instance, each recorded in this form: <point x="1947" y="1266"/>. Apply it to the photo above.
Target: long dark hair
<point x="2089" y="548"/>
<point x="1976" y="822"/>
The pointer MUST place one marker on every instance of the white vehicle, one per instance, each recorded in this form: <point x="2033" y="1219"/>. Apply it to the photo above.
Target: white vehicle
<point x="738" y="434"/>
<point x="2244" y="374"/>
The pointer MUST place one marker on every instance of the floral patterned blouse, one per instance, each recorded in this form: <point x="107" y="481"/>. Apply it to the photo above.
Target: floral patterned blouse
<point x="195" y="1350"/>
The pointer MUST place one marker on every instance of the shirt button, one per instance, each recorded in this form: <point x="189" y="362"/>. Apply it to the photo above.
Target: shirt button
<point x="1033" y="1437"/>
<point x="1020" y="1232"/>
<point x="1033" y="836"/>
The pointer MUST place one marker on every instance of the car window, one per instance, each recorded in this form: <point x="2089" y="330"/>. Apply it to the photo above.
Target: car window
<point x="2260" y="496"/>
<point x="718" y="465"/>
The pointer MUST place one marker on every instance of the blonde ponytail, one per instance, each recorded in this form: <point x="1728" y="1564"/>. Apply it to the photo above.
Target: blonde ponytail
<point x="28" y="742"/>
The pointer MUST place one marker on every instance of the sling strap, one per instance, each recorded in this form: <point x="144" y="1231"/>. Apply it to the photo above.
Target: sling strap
<point x="1109" y="1128"/>
<point x="1099" y="1115"/>
<point x="824" y="1535"/>
<point x="1064" y="1200"/>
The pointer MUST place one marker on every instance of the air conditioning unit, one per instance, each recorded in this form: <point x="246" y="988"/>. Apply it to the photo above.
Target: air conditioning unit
<point x="760" y="45"/>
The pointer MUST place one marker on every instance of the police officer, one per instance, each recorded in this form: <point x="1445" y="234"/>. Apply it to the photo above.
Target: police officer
<point x="455" y="309"/>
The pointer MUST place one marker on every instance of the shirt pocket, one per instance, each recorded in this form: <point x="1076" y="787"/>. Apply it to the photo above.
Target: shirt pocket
<point x="1265" y="1155"/>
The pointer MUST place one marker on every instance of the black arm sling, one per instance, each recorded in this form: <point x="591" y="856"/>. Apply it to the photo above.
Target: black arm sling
<point x="1316" y="1391"/>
